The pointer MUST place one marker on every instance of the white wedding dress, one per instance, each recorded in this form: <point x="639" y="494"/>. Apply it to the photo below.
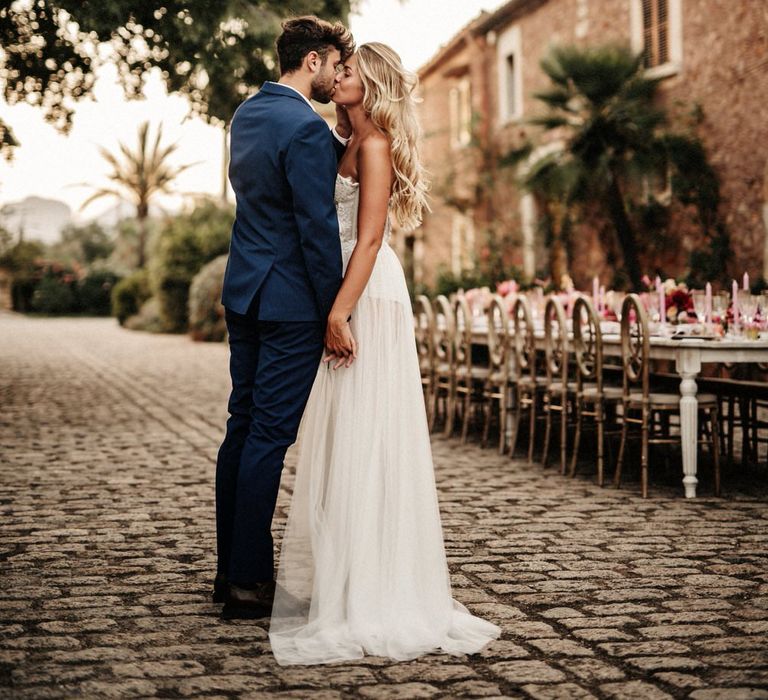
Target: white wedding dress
<point x="362" y="566"/>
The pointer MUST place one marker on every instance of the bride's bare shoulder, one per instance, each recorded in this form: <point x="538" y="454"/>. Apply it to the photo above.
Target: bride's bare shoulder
<point x="376" y="144"/>
<point x="375" y="154"/>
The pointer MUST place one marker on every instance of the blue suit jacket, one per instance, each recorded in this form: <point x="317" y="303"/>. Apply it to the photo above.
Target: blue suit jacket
<point x="285" y="240"/>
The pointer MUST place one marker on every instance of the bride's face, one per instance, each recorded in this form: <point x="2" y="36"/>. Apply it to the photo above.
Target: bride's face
<point x="349" y="88"/>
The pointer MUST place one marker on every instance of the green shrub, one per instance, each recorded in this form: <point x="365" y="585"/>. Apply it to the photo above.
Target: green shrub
<point x="23" y="259"/>
<point x="54" y="295"/>
<point x="129" y="294"/>
<point x="183" y="246"/>
<point x="94" y="292"/>
<point x="148" y="318"/>
<point x="206" y="314"/>
<point x="447" y="282"/>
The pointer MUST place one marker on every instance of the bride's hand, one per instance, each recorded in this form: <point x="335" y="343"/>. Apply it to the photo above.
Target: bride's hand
<point x="343" y="125"/>
<point x="339" y="342"/>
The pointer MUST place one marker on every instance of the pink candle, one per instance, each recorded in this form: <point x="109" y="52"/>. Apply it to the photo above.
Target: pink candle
<point x="708" y="304"/>
<point x="602" y="298"/>
<point x="735" y="302"/>
<point x="745" y="282"/>
<point x="595" y="287"/>
<point x="662" y="301"/>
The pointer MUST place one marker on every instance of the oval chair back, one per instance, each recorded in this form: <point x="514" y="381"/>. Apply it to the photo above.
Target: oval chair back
<point x="555" y="343"/>
<point x="462" y="338"/>
<point x="524" y="342"/>
<point x="498" y="338"/>
<point x="587" y="343"/>
<point x="462" y="352"/>
<point x="635" y="345"/>
<point x="444" y="385"/>
<point x="425" y="333"/>
<point x="444" y="325"/>
<point x="556" y="361"/>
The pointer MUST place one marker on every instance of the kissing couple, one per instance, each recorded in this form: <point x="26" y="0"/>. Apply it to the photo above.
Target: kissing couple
<point x="321" y="334"/>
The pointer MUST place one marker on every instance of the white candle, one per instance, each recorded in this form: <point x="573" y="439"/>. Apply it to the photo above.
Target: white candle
<point x="745" y="285"/>
<point x="662" y="301"/>
<point x="708" y="304"/>
<point x="595" y="288"/>
<point x="735" y="302"/>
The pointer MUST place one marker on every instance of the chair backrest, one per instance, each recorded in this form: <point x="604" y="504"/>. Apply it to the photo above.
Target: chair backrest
<point x="444" y="330"/>
<point x="635" y="344"/>
<point x="524" y="341"/>
<point x="555" y="342"/>
<point x="424" y="319"/>
<point x="498" y="337"/>
<point x="462" y="337"/>
<point x="587" y="342"/>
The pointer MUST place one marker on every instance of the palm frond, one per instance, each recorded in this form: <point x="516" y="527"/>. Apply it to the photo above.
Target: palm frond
<point x="99" y="194"/>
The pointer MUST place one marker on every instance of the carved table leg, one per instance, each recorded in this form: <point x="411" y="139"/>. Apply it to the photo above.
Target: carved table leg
<point x="688" y="366"/>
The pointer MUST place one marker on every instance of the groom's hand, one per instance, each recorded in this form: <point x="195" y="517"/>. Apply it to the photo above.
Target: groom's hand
<point x="339" y="343"/>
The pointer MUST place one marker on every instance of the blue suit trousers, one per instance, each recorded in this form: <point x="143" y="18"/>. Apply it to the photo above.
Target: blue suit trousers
<point x="273" y="365"/>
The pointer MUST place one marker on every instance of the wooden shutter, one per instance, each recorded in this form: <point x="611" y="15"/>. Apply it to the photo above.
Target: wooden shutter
<point x="655" y="32"/>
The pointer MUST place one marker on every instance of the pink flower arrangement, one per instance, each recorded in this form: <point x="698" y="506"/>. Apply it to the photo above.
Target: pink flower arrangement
<point x="507" y="287"/>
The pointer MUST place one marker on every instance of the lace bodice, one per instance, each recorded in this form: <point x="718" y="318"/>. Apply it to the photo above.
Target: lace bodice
<point x="347" y="198"/>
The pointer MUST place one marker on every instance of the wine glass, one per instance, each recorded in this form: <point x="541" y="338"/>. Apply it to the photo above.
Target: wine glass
<point x="748" y="305"/>
<point x="720" y="306"/>
<point x="699" y="297"/>
<point x="653" y="307"/>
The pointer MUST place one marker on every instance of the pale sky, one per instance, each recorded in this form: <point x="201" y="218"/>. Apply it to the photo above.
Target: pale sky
<point x="51" y="165"/>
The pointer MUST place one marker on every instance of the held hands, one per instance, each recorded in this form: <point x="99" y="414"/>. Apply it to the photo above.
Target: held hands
<point x="340" y="345"/>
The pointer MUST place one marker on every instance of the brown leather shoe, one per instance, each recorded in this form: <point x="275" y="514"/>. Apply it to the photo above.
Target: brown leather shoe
<point x="248" y="603"/>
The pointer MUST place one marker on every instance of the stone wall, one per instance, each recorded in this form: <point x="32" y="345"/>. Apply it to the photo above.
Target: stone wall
<point x="723" y="72"/>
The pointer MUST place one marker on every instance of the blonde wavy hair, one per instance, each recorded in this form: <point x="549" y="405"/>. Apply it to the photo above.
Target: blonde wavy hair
<point x="391" y="104"/>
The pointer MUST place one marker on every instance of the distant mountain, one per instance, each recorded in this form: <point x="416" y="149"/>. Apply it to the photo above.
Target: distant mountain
<point x="36" y="218"/>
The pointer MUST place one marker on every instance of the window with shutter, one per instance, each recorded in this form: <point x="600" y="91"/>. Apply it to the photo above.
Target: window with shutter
<point x="655" y="32"/>
<point x="656" y="28"/>
<point x="460" y="105"/>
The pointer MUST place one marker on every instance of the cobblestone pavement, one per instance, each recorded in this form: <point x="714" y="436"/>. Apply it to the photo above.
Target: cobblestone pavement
<point x="107" y="448"/>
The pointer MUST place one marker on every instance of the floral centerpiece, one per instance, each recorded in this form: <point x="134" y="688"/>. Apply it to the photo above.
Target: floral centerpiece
<point x="678" y="302"/>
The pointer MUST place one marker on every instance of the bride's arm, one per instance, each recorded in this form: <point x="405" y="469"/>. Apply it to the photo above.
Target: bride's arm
<point x="375" y="177"/>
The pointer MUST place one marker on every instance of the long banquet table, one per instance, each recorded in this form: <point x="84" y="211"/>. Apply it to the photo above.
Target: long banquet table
<point x="689" y="354"/>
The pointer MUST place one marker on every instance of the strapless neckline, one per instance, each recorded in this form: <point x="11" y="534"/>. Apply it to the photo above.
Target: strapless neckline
<point x="348" y="179"/>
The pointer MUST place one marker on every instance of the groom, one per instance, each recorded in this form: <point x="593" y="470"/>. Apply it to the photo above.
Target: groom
<point x="283" y="273"/>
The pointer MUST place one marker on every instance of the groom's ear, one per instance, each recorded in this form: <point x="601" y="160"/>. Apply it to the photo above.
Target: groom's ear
<point x="313" y="61"/>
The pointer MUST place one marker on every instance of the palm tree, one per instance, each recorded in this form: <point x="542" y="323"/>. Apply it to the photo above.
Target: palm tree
<point x="138" y="176"/>
<point x="601" y="108"/>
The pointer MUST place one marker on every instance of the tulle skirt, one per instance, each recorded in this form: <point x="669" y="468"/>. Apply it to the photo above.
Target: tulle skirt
<point x="362" y="566"/>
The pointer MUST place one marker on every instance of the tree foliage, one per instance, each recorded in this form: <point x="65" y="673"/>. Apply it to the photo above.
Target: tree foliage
<point x="608" y="140"/>
<point x="182" y="247"/>
<point x="82" y="244"/>
<point x="214" y="53"/>
<point x="138" y="176"/>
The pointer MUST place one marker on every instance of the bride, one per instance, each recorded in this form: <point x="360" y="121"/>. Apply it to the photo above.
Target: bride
<point x="362" y="566"/>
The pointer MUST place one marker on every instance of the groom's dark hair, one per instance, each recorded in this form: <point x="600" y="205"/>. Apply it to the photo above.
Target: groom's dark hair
<point x="304" y="34"/>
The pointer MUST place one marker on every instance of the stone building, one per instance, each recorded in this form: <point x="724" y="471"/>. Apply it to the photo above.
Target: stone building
<point x="478" y="93"/>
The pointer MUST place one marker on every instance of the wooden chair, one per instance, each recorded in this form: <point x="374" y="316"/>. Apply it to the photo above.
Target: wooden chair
<point x="758" y="407"/>
<point x="593" y="395"/>
<point x="469" y="380"/>
<point x="641" y="404"/>
<point x="528" y="384"/>
<point x="424" y="321"/>
<point x="556" y="390"/>
<point x="497" y="386"/>
<point x="443" y="386"/>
